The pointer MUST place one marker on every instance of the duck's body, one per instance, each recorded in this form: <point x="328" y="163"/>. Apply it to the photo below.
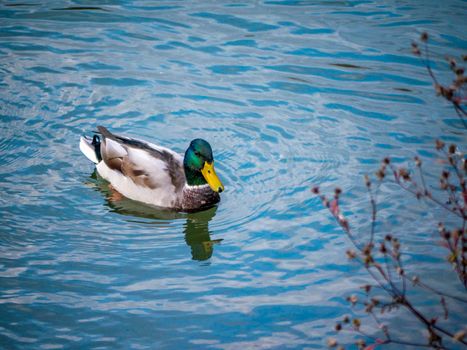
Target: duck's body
<point x="155" y="175"/>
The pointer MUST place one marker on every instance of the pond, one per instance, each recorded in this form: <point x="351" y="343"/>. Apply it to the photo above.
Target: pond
<point x="290" y="94"/>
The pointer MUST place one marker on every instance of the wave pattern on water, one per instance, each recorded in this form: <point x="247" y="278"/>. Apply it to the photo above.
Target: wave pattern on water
<point x="289" y="94"/>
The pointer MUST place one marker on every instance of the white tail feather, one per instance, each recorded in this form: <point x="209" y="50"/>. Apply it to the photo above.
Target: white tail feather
<point x="88" y="149"/>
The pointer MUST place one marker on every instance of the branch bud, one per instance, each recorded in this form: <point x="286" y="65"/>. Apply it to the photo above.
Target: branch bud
<point x="439" y="145"/>
<point x="383" y="249"/>
<point x="337" y="192"/>
<point x="332" y="343"/>
<point x="415" y="49"/>
<point x="459" y="335"/>
<point x="404" y="174"/>
<point x="380" y="173"/>
<point x="367" y="181"/>
<point x="418" y="161"/>
<point x="352" y="299"/>
<point x="356" y="323"/>
<point x="351" y="254"/>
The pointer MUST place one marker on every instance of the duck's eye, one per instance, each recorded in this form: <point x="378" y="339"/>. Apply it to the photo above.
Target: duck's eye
<point x="198" y="153"/>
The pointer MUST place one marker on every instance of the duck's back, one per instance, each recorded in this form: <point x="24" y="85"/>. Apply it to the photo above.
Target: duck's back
<point x="140" y="170"/>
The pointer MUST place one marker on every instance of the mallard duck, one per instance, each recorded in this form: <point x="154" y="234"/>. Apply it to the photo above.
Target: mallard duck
<point x="155" y="175"/>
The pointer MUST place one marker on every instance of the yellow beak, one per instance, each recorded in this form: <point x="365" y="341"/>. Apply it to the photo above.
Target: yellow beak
<point x="211" y="177"/>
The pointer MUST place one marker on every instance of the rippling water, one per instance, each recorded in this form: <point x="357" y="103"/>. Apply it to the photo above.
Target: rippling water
<point x="288" y="93"/>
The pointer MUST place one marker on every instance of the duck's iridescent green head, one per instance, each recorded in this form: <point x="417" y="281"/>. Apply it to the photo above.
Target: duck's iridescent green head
<point x="199" y="166"/>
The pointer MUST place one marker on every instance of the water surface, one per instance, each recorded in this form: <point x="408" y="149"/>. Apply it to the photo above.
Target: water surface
<point x="290" y="94"/>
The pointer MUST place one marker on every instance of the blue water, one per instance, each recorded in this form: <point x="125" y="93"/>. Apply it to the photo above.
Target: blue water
<point x="290" y="94"/>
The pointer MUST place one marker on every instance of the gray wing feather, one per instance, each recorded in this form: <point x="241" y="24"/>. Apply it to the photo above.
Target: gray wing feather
<point x="116" y="156"/>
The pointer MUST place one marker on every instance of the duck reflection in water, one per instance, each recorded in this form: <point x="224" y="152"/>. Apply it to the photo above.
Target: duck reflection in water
<point x="196" y="227"/>
<point x="197" y="234"/>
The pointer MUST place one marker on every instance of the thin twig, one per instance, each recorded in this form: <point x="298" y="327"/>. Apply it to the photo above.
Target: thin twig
<point x="429" y="196"/>
<point x="373" y="214"/>
<point x="436" y="291"/>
